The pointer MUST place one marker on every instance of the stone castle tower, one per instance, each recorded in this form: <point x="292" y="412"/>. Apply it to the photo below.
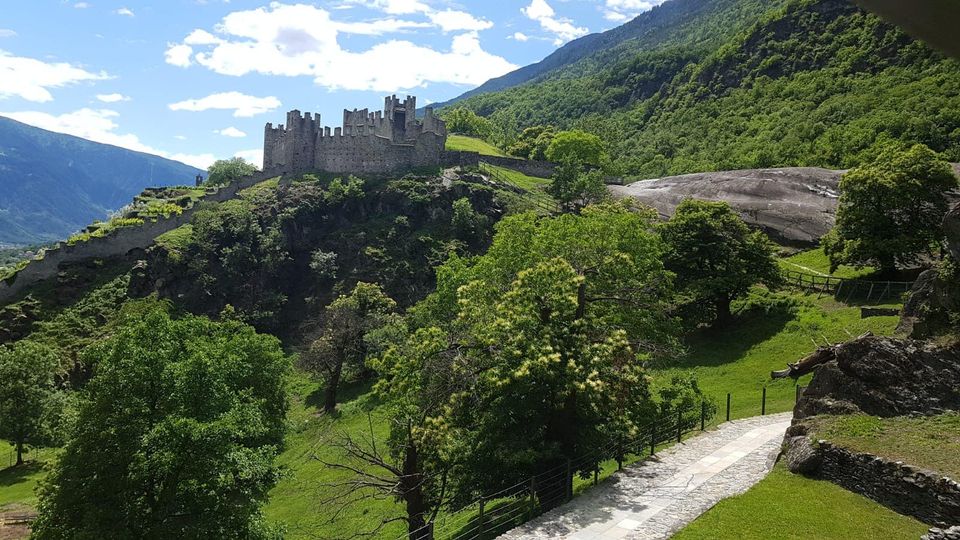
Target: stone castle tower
<point x="380" y="142"/>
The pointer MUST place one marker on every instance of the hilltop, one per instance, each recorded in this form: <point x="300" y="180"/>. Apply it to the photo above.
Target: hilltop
<point x="55" y="184"/>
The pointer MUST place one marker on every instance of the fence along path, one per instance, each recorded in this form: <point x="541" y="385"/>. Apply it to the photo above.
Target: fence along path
<point x="538" y="198"/>
<point x="846" y="288"/>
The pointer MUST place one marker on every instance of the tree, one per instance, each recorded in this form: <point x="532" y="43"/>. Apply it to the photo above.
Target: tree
<point x="27" y="393"/>
<point x="533" y="143"/>
<point x="346" y="322"/>
<point x="575" y="188"/>
<point x="576" y="145"/>
<point x="543" y="344"/>
<point x="228" y="171"/>
<point x="176" y="437"/>
<point x="466" y="122"/>
<point x="889" y="211"/>
<point x="715" y="256"/>
<point x="467" y="223"/>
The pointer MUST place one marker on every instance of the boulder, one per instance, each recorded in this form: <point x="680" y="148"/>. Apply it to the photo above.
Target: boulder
<point x="885" y="377"/>
<point x="801" y="456"/>
<point x="951" y="227"/>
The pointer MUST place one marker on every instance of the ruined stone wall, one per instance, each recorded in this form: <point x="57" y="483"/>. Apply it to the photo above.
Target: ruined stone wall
<point x="116" y="244"/>
<point x="373" y="154"/>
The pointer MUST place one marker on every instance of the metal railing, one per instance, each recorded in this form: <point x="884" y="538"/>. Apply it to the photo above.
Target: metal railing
<point x="846" y="288"/>
<point x="538" y="198"/>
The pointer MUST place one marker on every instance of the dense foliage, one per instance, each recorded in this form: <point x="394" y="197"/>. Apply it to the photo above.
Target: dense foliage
<point x="466" y="122"/>
<point x="890" y="210"/>
<point x="228" y="171"/>
<point x="27" y="394"/>
<point x="814" y="82"/>
<point x="716" y="258"/>
<point x="176" y="435"/>
<point x="575" y="187"/>
<point x="532" y="353"/>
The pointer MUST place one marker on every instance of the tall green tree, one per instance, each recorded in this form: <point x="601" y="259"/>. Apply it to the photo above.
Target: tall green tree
<point x="228" y="171"/>
<point x="547" y="336"/>
<point x="176" y="437"/>
<point x="532" y="143"/>
<point x="27" y="393"/>
<point x="575" y="187"/>
<point x="715" y="256"/>
<point x="342" y="344"/>
<point x="576" y="145"/>
<point x="890" y="211"/>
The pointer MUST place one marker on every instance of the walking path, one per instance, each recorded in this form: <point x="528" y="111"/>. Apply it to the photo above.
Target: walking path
<point x="655" y="498"/>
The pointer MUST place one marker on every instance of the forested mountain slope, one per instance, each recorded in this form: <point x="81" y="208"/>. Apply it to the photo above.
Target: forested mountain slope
<point x="695" y="23"/>
<point x="809" y="83"/>
<point x="53" y="184"/>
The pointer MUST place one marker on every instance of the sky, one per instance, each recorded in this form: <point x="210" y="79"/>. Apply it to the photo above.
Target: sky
<point x="196" y="80"/>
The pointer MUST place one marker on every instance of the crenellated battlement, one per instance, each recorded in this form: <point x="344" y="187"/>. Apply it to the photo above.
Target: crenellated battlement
<point x="372" y="142"/>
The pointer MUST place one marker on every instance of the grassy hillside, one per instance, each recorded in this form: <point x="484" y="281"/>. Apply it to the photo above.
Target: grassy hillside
<point x="786" y="506"/>
<point x="471" y="144"/>
<point x="808" y="82"/>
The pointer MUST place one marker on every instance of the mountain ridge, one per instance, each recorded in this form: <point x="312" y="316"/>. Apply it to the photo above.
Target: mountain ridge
<point x="55" y="184"/>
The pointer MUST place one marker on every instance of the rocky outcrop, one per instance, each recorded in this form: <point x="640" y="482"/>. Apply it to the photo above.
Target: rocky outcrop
<point x="936" y="533"/>
<point x="801" y="456"/>
<point x="796" y="205"/>
<point x="951" y="227"/>
<point x="885" y="377"/>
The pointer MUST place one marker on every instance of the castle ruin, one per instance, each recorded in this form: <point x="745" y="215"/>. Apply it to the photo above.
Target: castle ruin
<point x="378" y="142"/>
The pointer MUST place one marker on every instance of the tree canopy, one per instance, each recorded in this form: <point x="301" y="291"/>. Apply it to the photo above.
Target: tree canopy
<point x="576" y="146"/>
<point x="890" y="210"/>
<point x="532" y="143"/>
<point x="176" y="436"/>
<point x="575" y="187"/>
<point x="715" y="256"/>
<point x="228" y="171"/>
<point x="27" y="393"/>
<point x="466" y="122"/>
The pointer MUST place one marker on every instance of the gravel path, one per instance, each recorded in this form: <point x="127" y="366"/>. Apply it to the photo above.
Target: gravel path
<point x="655" y="498"/>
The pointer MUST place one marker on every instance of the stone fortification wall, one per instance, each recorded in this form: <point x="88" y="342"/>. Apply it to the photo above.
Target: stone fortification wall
<point x="116" y="244"/>
<point x="379" y="142"/>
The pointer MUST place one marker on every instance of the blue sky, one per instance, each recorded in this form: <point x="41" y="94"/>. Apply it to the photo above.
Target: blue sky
<point x="195" y="80"/>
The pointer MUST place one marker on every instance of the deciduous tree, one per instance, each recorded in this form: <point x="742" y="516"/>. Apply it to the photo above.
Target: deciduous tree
<point x="27" y="393"/>
<point x="228" y="171"/>
<point x="890" y="210"/>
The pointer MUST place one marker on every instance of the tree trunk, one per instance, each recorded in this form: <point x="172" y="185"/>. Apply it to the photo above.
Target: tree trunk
<point x="19" y="452"/>
<point x="411" y="486"/>
<point x="724" y="316"/>
<point x="333" y="383"/>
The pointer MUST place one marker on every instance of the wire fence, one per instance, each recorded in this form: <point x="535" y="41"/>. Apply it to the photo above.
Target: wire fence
<point x="537" y="197"/>
<point x="847" y="289"/>
<point x="29" y="454"/>
<point x="493" y="514"/>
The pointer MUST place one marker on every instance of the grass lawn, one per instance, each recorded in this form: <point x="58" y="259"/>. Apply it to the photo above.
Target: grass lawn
<point x="471" y="144"/>
<point x="739" y="360"/>
<point x="787" y="506"/>
<point x="18" y="484"/>
<point x="930" y="442"/>
<point x="518" y="178"/>
<point x="815" y="261"/>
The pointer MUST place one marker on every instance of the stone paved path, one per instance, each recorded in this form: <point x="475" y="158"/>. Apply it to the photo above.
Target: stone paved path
<point x="655" y="498"/>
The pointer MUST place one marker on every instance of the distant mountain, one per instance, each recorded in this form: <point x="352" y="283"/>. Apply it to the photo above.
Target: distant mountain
<point x="712" y="85"/>
<point x="52" y="184"/>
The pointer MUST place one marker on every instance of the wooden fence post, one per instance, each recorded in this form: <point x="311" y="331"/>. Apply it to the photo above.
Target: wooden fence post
<point x="763" y="403"/>
<point x="481" y="527"/>
<point x="728" y="406"/>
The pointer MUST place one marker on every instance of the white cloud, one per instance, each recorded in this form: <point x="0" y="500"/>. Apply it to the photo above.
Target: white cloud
<point x="31" y="79"/>
<point x="623" y="10"/>
<point x="451" y="21"/>
<point x="520" y="36"/>
<point x="6" y="32"/>
<point x="112" y="98"/>
<point x="81" y="5"/>
<point x="254" y="156"/>
<point x="98" y="125"/>
<point x="179" y="55"/>
<point x="230" y="132"/>
<point x="395" y="7"/>
<point x="125" y="11"/>
<point x="180" y="137"/>
<point x="241" y="104"/>
<point x="302" y="40"/>
<point x="561" y="27"/>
